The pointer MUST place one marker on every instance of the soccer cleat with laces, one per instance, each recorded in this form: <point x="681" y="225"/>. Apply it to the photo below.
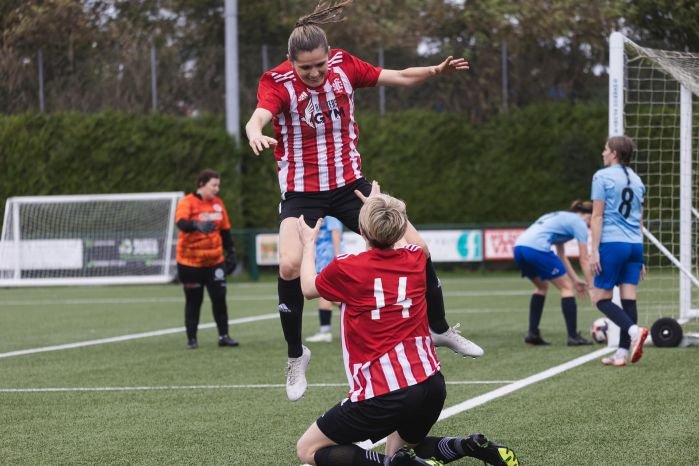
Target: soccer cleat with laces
<point x="296" y="375"/>
<point x="406" y="457"/>
<point x="225" y="340"/>
<point x="479" y="447"/>
<point x="458" y="344"/>
<point x="614" y="361"/>
<point x="320" y="337"/>
<point x="637" y="345"/>
<point x="535" y="339"/>
<point x="578" y="340"/>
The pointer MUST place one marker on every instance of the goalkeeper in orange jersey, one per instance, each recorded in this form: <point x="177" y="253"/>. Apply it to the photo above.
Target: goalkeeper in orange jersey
<point x="205" y="255"/>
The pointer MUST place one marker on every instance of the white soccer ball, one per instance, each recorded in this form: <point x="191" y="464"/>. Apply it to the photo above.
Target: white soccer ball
<point x="599" y="330"/>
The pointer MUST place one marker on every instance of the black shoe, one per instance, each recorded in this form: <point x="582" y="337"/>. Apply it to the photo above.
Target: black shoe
<point x="192" y="344"/>
<point x="225" y="340"/>
<point x="477" y="446"/>
<point x="578" y="340"/>
<point x="406" y="457"/>
<point x="535" y="339"/>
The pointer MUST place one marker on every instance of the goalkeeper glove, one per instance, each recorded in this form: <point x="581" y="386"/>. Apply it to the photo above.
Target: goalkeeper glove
<point x="205" y="227"/>
<point x="230" y="263"/>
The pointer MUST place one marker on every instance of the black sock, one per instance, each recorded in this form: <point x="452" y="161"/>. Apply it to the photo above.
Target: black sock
<point x="347" y="455"/>
<point x="325" y="316"/>
<point x="536" y="309"/>
<point x="570" y="313"/>
<point x="619" y="317"/>
<point x="435" y="301"/>
<point x="444" y="449"/>
<point x="290" y="313"/>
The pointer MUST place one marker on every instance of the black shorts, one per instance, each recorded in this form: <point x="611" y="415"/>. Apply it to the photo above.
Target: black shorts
<point x="340" y="203"/>
<point x="201" y="275"/>
<point x="410" y="411"/>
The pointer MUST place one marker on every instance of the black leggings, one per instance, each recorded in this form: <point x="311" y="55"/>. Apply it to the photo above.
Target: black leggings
<point x="193" y="280"/>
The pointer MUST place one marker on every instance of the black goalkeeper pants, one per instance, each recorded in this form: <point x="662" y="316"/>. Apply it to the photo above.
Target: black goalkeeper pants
<point x="194" y="280"/>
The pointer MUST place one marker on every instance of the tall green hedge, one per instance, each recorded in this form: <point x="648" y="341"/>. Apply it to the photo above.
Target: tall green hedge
<point x="73" y="153"/>
<point x="510" y="169"/>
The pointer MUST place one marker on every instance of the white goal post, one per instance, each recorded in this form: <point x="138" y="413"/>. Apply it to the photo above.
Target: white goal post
<point x="654" y="98"/>
<point x="98" y="239"/>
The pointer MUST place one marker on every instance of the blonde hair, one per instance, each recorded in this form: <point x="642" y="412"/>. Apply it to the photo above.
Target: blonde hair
<point x="383" y="221"/>
<point x="307" y="35"/>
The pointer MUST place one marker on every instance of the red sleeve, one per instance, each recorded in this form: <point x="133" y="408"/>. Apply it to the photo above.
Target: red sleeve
<point x="329" y="282"/>
<point x="360" y="73"/>
<point x="270" y="95"/>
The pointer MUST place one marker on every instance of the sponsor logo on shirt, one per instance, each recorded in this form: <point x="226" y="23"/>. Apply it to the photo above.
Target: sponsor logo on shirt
<point x="316" y="114"/>
<point x="211" y="216"/>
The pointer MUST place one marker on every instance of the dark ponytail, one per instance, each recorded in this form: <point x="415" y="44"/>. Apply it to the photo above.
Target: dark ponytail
<point x="583" y="207"/>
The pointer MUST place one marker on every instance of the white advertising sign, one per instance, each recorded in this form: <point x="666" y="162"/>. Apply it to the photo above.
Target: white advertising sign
<point x="444" y="245"/>
<point x="500" y="243"/>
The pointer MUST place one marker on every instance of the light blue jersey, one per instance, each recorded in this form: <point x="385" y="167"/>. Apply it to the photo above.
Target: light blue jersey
<point x="325" y="251"/>
<point x="623" y="203"/>
<point x="553" y="228"/>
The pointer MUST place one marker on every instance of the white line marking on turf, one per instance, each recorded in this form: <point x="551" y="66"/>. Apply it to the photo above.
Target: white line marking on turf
<point x="507" y="389"/>
<point x="173" y="299"/>
<point x="133" y="336"/>
<point x="210" y="387"/>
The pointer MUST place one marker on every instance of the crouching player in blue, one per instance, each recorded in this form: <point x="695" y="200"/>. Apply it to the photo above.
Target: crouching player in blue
<point x="328" y="245"/>
<point x="616" y="256"/>
<point x="540" y="264"/>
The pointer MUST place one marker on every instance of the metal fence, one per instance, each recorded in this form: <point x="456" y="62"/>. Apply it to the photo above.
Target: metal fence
<point x="168" y="80"/>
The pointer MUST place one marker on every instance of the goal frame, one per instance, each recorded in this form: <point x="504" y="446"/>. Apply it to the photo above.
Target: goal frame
<point x="617" y="88"/>
<point x="12" y="217"/>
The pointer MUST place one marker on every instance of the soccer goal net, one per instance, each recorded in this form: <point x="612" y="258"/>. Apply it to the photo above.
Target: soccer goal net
<point x="88" y="239"/>
<point x="653" y="98"/>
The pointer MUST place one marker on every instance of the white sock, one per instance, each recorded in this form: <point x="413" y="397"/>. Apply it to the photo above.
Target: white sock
<point x="621" y="353"/>
<point x="633" y="331"/>
<point x="325" y="328"/>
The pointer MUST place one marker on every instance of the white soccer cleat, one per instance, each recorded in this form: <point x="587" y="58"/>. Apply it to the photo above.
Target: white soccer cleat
<point x="453" y="340"/>
<point x="637" y="345"/>
<point x="296" y="375"/>
<point x="320" y="337"/>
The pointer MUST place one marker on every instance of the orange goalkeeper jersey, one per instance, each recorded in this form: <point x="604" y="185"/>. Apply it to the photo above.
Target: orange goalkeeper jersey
<point x="197" y="249"/>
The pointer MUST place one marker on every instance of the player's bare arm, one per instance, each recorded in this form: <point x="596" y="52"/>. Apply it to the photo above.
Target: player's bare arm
<point x="413" y="76"/>
<point x="308" y="237"/>
<point x="258" y="141"/>
<point x="596" y="235"/>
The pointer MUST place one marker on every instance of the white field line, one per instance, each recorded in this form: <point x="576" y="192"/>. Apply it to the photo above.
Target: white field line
<point x="133" y="336"/>
<point x="211" y="387"/>
<point x="507" y="389"/>
<point x="178" y="299"/>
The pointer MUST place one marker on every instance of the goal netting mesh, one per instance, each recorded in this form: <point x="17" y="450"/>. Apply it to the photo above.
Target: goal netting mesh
<point x="654" y="98"/>
<point x="88" y="239"/>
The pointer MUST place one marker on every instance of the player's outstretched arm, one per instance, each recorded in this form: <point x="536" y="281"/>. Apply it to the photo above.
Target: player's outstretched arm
<point x="253" y="129"/>
<point x="413" y="76"/>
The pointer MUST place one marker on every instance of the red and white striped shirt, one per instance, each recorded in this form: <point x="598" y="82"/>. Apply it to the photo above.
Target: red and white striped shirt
<point x="386" y="342"/>
<point x="315" y="127"/>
